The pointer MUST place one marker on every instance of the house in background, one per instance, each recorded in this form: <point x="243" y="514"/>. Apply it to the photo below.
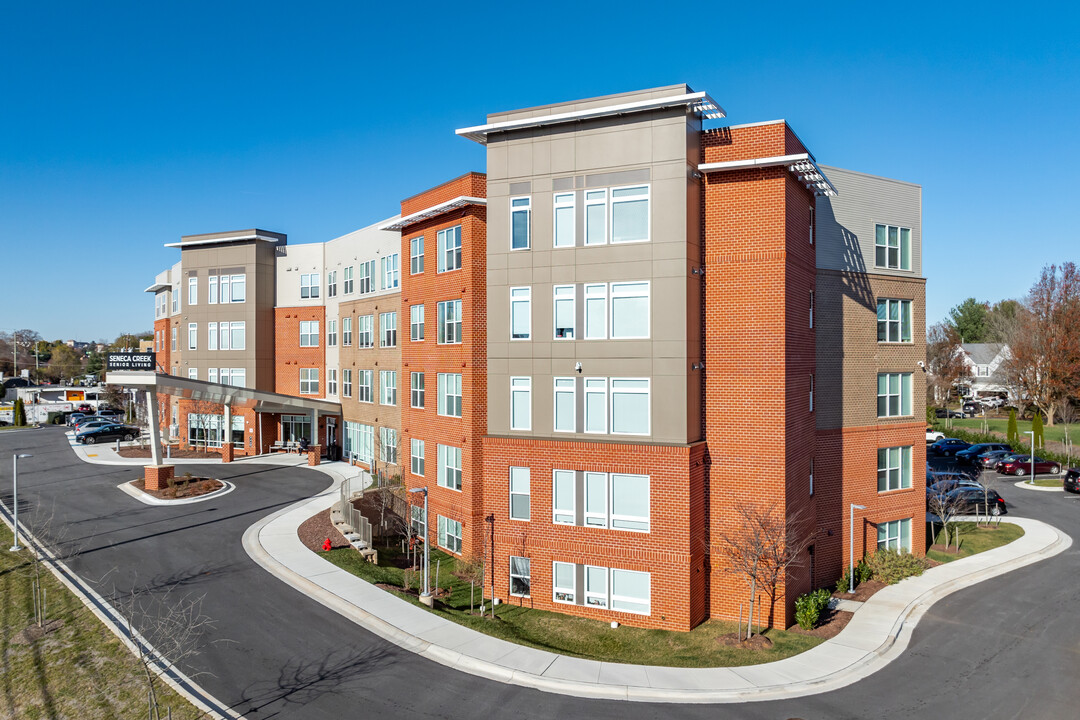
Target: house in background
<point x="987" y="364"/>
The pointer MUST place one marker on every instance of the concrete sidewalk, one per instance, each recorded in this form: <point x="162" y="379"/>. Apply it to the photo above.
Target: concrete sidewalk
<point x="878" y="632"/>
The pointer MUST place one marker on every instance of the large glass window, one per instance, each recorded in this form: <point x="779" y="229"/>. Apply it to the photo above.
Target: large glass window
<point x="894" y="394"/>
<point x="630" y="214"/>
<point x="416" y="255"/>
<point x="365" y="390"/>
<point x="416" y="323"/>
<point x="520" y="212"/>
<point x="449" y="467"/>
<point x="630" y="310"/>
<point x="309" y="285"/>
<point x="596" y="311"/>
<point x="365" y="331"/>
<point x="309" y="381"/>
<point x="519" y="576"/>
<point x="519" y="493"/>
<point x="565" y="309"/>
<point x="449" y="322"/>
<point x="892" y="247"/>
<point x="416" y="454"/>
<point x="894" y="468"/>
<point x="630" y="591"/>
<point x="596" y="405"/>
<point x="595" y="217"/>
<point x="309" y="333"/>
<point x="563" y="496"/>
<point x="449" y="241"/>
<point x="449" y="394"/>
<point x="295" y="428"/>
<point x="564" y="582"/>
<point x="894" y="535"/>
<point x="359" y="442"/>
<point x="449" y="534"/>
<point x="520" y="313"/>
<point x="564" y="221"/>
<point x="388" y="328"/>
<point x="416" y="389"/>
<point x="630" y="502"/>
<point x="388" y="382"/>
<point x="520" y="403"/>
<point x="565" y="405"/>
<point x="630" y="406"/>
<point x="894" y="320"/>
<point x="238" y="293"/>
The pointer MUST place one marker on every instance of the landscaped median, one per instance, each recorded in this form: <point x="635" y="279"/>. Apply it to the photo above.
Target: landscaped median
<point x="974" y="539"/>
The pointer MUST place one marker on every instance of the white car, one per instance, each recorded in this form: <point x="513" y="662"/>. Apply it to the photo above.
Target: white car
<point x="933" y="435"/>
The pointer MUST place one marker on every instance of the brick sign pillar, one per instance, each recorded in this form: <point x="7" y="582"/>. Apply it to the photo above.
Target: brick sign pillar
<point x="227" y="452"/>
<point x="157" y="477"/>
<point x="314" y="455"/>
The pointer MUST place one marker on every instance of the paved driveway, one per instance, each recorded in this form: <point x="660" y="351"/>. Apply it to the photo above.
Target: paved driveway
<point x="1002" y="649"/>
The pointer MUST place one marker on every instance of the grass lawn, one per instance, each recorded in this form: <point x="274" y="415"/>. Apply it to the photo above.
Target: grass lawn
<point x="975" y="539"/>
<point x="575" y="636"/>
<point x="1043" y="480"/>
<point x="79" y="670"/>
<point x="1001" y="425"/>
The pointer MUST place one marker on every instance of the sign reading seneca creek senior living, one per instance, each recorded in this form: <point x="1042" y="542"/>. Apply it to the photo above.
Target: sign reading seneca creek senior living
<point x="129" y="361"/>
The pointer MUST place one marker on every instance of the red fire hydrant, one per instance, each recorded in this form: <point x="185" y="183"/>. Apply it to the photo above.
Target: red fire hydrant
<point x="326" y="545"/>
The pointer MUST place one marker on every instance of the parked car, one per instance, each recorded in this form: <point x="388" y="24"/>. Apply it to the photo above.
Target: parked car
<point x="92" y="420"/>
<point x="1021" y="465"/>
<point x="112" y="431"/>
<point x="972" y="408"/>
<point x="109" y="413"/>
<point x="990" y="460"/>
<point x="993" y="402"/>
<point x="948" y="446"/>
<point x="933" y="435"/>
<point x="75" y="417"/>
<point x="85" y="408"/>
<point x="1071" y="483"/>
<point x="944" y="482"/>
<point x="971" y="500"/>
<point x="968" y="455"/>
<point x="947" y="413"/>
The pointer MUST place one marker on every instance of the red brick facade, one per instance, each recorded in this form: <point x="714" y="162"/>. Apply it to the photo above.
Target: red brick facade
<point x="289" y="357"/>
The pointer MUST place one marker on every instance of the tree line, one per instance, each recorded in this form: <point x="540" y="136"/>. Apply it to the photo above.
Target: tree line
<point x="54" y="360"/>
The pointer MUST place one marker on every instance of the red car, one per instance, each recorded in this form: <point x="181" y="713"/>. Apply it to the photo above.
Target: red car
<point x="1021" y="465"/>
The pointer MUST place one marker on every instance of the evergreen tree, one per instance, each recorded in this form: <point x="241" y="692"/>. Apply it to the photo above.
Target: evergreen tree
<point x="19" y="413"/>
<point x="1013" y="433"/>
<point x="1037" y="427"/>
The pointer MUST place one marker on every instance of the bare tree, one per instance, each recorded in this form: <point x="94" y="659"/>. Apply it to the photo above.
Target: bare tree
<point x="762" y="547"/>
<point x="945" y="362"/>
<point x="945" y="506"/>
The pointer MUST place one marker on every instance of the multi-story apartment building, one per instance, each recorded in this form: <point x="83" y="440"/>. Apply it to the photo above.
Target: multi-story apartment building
<point x="595" y="354"/>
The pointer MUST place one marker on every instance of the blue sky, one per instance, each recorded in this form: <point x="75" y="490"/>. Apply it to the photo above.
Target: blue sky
<point x="126" y="125"/>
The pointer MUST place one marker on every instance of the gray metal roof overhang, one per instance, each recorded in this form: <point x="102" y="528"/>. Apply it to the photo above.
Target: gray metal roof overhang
<point x="237" y="397"/>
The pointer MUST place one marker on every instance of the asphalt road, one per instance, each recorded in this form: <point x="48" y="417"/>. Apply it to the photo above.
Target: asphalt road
<point x="1003" y="649"/>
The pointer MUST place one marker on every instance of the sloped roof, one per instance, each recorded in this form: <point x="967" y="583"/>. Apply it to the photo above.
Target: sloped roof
<point x="983" y="353"/>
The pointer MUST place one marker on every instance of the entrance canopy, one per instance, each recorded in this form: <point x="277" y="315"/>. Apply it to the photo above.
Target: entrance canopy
<point x="261" y="401"/>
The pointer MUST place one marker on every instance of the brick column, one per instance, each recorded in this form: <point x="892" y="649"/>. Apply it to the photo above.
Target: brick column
<point x="314" y="455"/>
<point x="156" y="477"/>
<point x="227" y="451"/>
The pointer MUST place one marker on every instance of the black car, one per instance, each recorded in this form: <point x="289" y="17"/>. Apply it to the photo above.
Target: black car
<point x="971" y="501"/>
<point x="946" y="413"/>
<point x="107" y="432"/>
<point x="1071" y="483"/>
<point x="971" y="409"/>
<point x="944" y="482"/>
<point x="968" y="455"/>
<point x="990" y="460"/>
<point x="948" y="446"/>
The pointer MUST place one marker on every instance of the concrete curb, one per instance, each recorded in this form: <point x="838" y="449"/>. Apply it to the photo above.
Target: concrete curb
<point x="148" y="499"/>
<point x="878" y="632"/>
<point x="1025" y="485"/>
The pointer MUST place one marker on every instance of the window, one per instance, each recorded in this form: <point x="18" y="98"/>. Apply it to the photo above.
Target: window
<point x="596" y="499"/>
<point x="416" y="323"/>
<point x="388" y="382"/>
<point x="365" y="391"/>
<point x="331" y="283"/>
<point x="449" y="388"/>
<point x="309" y="333"/>
<point x="211" y="336"/>
<point x="390" y="272"/>
<point x="366" y="277"/>
<point x="520" y="403"/>
<point x="892" y="247"/>
<point x="811" y="476"/>
<point x="388" y="448"/>
<point x="331" y="381"/>
<point x="894" y="320"/>
<point x="563" y="582"/>
<point x="416" y="453"/>
<point x="239" y="289"/>
<point x="519" y="493"/>
<point x="563" y="495"/>
<point x="449" y="534"/>
<point x="520" y="210"/>
<point x="365" y="331"/>
<point x="596" y="405"/>
<point x="226" y="293"/>
<point x="346" y="331"/>
<point x="811" y="224"/>
<point x="192" y="336"/>
<point x="359" y="442"/>
<point x="565" y="405"/>
<point x="388" y="325"/>
<point x="630" y="406"/>
<point x="416" y="389"/>
<point x="565" y="301"/>
<point x="520" y="313"/>
<point x="347" y="280"/>
<point x="811" y="309"/>
<point x="238" y="377"/>
<point x="346" y="382"/>
<point x="630" y="502"/>
<point x="519" y="576"/>
<point x="811" y="392"/>
<point x="893" y="468"/>
<point x="629" y="310"/>
<point x="175" y="299"/>
<point x="894" y="535"/>
<point x="449" y="467"/>
<point x="238" y="331"/>
<point x="449" y="322"/>
<point x="193" y="291"/>
<point x="630" y="214"/>
<point x="174" y="338"/>
<point x="894" y="394"/>
<point x="619" y="501"/>
<point x="596" y="311"/>
<point x="211" y="290"/>
<point x="449" y="249"/>
<point x="630" y="591"/>
<point x="596" y="584"/>
<point x="225" y="336"/>
<point x="309" y="285"/>
<point x="416" y="255"/>
<point x="161" y="302"/>
<point x="211" y="375"/>
<point x="565" y="220"/>
<point x="309" y="381"/>
<point x="193" y="373"/>
<point x="331" y="333"/>
<point x="595" y="217"/>
<point x="418" y="521"/>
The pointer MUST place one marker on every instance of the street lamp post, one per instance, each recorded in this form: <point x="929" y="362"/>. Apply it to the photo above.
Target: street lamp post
<point x="851" y="541"/>
<point x="15" y="495"/>
<point x="425" y="597"/>
<point x="1031" y="481"/>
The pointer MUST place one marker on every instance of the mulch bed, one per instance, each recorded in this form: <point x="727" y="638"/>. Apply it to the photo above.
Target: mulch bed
<point x="314" y="531"/>
<point x="36" y="632"/>
<point x="756" y="642"/>
<point x="184" y="488"/>
<point x="863" y="591"/>
<point x="144" y="452"/>
<point x="829" y="626"/>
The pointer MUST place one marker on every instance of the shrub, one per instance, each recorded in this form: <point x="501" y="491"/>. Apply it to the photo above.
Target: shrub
<point x="1013" y="433"/>
<point x="1037" y="427"/>
<point x="808" y="608"/>
<point x="18" y="418"/>
<point x="862" y="574"/>
<point x="891" y="566"/>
